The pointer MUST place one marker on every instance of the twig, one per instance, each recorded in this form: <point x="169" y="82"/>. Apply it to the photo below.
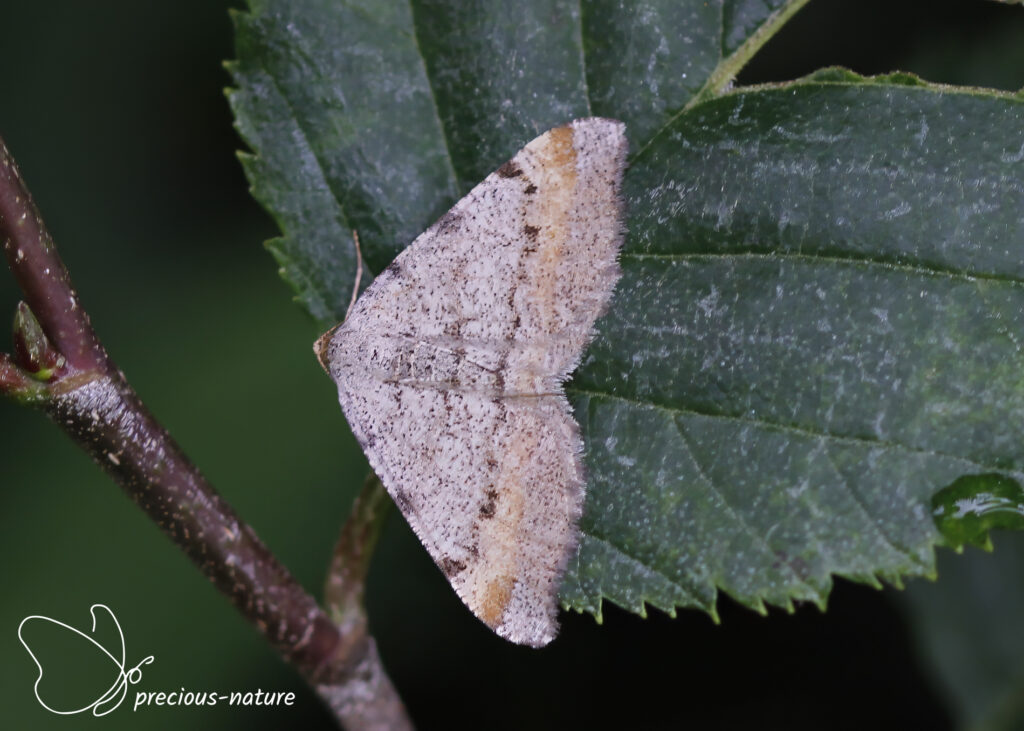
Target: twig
<point x="60" y="365"/>
<point x="343" y="597"/>
<point x="346" y="578"/>
<point x="41" y="274"/>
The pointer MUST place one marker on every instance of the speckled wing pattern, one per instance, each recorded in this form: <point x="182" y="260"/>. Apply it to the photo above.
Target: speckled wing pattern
<point x="450" y="368"/>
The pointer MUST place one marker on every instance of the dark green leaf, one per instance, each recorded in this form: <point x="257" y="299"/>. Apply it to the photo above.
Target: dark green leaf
<point x="335" y="103"/>
<point x="818" y="323"/>
<point x="377" y="115"/>
<point x="817" y="328"/>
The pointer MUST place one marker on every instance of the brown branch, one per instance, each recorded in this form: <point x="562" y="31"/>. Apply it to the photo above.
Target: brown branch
<point x="60" y="365"/>
<point x="41" y="274"/>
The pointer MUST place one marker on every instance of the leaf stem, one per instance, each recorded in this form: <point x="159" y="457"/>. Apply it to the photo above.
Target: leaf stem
<point x="343" y="593"/>
<point x="726" y="71"/>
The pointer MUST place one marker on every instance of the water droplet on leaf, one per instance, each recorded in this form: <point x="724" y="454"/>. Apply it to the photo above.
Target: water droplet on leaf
<point x="968" y="508"/>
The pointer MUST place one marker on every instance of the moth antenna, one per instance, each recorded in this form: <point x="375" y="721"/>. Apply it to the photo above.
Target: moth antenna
<point x="359" y="272"/>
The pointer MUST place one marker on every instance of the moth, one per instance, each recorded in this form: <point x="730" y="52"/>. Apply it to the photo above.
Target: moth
<point x="450" y="368"/>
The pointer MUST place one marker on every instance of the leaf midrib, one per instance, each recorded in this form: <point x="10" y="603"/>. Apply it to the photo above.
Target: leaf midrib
<point x="433" y="97"/>
<point x="865" y="262"/>
<point x="824" y="436"/>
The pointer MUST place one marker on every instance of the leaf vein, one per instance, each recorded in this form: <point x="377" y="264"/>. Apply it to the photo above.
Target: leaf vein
<point x="737" y="517"/>
<point x="307" y="141"/>
<point x="690" y="592"/>
<point x="433" y="99"/>
<point x="866" y="262"/>
<point x="859" y="500"/>
<point x="583" y="58"/>
<point x="802" y="431"/>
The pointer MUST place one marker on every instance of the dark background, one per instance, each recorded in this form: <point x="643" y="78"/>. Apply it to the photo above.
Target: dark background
<point x="115" y="112"/>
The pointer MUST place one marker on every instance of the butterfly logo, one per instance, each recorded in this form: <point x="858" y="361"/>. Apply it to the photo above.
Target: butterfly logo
<point x="111" y="695"/>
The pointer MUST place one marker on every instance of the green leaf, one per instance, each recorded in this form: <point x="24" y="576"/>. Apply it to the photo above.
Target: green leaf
<point x="818" y="322"/>
<point x="378" y="115"/>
